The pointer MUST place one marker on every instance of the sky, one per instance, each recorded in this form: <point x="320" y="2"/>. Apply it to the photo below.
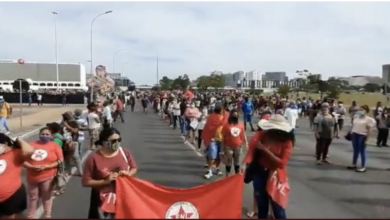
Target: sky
<point x="196" y="38"/>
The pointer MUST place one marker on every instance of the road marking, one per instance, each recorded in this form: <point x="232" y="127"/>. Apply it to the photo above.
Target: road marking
<point x="29" y="133"/>
<point x="192" y="147"/>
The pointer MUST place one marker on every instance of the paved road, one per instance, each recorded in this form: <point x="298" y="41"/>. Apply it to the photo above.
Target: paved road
<point x="327" y="191"/>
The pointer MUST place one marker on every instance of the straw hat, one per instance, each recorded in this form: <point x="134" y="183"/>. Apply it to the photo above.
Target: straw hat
<point x="276" y="122"/>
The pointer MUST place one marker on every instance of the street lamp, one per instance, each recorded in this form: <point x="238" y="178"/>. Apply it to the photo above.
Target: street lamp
<point x="55" y="14"/>
<point x="93" y="21"/>
<point x="113" y="60"/>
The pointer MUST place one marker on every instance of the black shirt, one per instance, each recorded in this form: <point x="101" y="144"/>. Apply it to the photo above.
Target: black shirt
<point x="183" y="107"/>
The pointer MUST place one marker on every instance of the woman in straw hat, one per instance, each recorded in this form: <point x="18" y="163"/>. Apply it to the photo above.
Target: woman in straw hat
<point x="267" y="160"/>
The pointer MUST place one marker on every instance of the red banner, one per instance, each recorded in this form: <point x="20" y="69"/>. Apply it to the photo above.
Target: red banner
<point x="141" y="199"/>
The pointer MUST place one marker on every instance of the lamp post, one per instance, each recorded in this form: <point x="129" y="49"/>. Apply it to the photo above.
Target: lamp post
<point x="55" y="14"/>
<point x="93" y="21"/>
<point x="113" y="59"/>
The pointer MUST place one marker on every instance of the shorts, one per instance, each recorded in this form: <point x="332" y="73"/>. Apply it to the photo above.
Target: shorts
<point x="94" y="133"/>
<point x="247" y="117"/>
<point x="15" y="204"/>
<point x="213" y="150"/>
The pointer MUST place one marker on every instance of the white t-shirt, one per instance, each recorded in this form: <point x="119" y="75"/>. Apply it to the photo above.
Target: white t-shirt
<point x="361" y="125"/>
<point x="39" y="97"/>
<point x="92" y="121"/>
<point x="292" y="116"/>
<point x="176" y="109"/>
<point x="107" y="113"/>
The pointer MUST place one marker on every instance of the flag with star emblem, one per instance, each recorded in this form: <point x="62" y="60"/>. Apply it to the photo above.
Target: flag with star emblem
<point x="137" y="199"/>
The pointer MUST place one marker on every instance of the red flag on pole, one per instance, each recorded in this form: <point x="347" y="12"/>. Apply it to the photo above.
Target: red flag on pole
<point x="141" y="199"/>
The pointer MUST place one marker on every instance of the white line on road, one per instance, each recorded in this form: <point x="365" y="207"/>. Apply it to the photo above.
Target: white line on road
<point x="192" y="147"/>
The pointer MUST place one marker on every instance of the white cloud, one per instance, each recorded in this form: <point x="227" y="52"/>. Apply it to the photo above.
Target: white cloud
<point x="196" y="38"/>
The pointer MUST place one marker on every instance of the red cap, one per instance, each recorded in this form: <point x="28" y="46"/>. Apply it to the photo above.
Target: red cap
<point x="266" y="117"/>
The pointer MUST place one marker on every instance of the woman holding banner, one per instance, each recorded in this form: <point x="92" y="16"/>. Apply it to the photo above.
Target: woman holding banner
<point x="101" y="170"/>
<point x="266" y="164"/>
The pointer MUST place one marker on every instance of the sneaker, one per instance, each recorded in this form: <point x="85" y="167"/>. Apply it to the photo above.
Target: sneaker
<point x="208" y="175"/>
<point x="218" y="172"/>
<point x="318" y="162"/>
<point x="351" y="168"/>
<point x="325" y="161"/>
<point x="361" y="170"/>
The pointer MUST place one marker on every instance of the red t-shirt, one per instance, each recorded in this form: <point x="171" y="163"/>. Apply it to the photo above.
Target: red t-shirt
<point x="98" y="167"/>
<point x="119" y="105"/>
<point x="10" y="173"/>
<point x="233" y="135"/>
<point x="44" y="154"/>
<point x="282" y="151"/>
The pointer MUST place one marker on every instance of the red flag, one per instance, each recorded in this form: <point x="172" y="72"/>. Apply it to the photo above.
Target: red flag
<point x="189" y="95"/>
<point x="141" y="199"/>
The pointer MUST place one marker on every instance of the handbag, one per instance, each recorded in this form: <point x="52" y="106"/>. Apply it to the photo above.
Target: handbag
<point x="60" y="179"/>
<point x="249" y="173"/>
<point x="252" y="167"/>
<point x="348" y="136"/>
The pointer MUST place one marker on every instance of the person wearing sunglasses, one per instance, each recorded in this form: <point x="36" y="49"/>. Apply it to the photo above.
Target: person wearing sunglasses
<point x="101" y="170"/>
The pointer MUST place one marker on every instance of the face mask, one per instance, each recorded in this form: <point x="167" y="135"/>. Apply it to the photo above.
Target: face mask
<point x="2" y="149"/>
<point x="192" y="106"/>
<point x="113" y="145"/>
<point x="340" y="105"/>
<point x="44" y="139"/>
<point x="360" y="113"/>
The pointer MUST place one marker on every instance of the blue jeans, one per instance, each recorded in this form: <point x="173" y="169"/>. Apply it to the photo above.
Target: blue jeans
<point x="359" y="148"/>
<point x="263" y="199"/>
<point x="247" y="117"/>
<point x="3" y="123"/>
<point x="213" y="150"/>
<point x="183" y="125"/>
<point x="171" y="118"/>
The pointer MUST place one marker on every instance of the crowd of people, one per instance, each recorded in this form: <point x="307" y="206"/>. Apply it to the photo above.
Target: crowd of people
<point x="215" y="123"/>
<point x="49" y="160"/>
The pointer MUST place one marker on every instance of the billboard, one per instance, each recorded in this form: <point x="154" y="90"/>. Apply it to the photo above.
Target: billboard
<point x="101" y="82"/>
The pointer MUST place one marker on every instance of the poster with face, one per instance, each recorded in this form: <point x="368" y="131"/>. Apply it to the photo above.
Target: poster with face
<point x="101" y="82"/>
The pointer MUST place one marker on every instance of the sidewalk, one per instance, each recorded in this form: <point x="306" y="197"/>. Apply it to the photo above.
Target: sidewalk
<point x="33" y="122"/>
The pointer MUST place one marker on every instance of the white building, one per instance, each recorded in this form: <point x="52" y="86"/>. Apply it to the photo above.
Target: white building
<point x="253" y="75"/>
<point x="363" y="80"/>
<point x="43" y="75"/>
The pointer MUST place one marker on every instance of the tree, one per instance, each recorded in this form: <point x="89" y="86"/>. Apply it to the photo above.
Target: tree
<point x="370" y="87"/>
<point x="203" y="82"/>
<point x="166" y="83"/>
<point x="181" y="82"/>
<point x="217" y="81"/>
<point x="283" y="90"/>
<point x="334" y="92"/>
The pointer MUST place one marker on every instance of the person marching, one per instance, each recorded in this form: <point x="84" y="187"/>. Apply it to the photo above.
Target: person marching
<point x="233" y="138"/>
<point x="268" y="173"/>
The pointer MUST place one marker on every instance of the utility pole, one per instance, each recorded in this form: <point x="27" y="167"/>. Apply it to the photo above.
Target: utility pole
<point x="158" y="83"/>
